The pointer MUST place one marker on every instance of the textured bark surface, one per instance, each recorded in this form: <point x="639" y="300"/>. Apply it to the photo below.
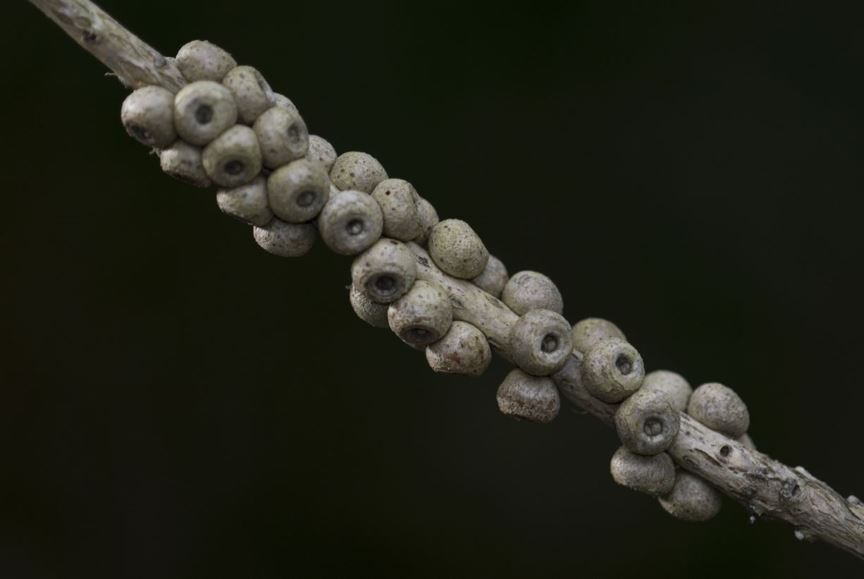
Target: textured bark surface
<point x="763" y="485"/>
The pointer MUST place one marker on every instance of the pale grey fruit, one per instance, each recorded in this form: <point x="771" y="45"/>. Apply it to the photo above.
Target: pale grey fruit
<point x="612" y="370"/>
<point x="251" y="92"/>
<point x="280" y="100"/>
<point x="203" y="110"/>
<point x="422" y="316"/>
<point x="457" y="249"/>
<point x="692" y="499"/>
<point x="373" y="314"/>
<point x="233" y="158"/>
<point x="396" y="197"/>
<point x="385" y="271"/>
<point x="527" y="397"/>
<point x="540" y="342"/>
<point x="494" y="277"/>
<point x="428" y="218"/>
<point x="202" y="60"/>
<point x="357" y="171"/>
<point x="298" y="191"/>
<point x="321" y="151"/>
<point x="285" y="239"/>
<point x="248" y="203"/>
<point x="718" y="407"/>
<point x="350" y="222"/>
<point x="654" y="475"/>
<point x="646" y="423"/>
<point x="671" y="385"/>
<point x="148" y="116"/>
<point x="586" y="333"/>
<point x="530" y="290"/>
<point x="747" y="441"/>
<point x="183" y="162"/>
<point x="282" y="135"/>
<point x="463" y="350"/>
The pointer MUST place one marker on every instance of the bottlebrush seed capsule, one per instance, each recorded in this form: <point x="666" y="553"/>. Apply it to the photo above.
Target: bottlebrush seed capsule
<point x="385" y="271"/>
<point x="463" y="350"/>
<point x="357" y="171"/>
<point x="646" y="423"/>
<point x="586" y="333"/>
<point x="148" y="116"/>
<point x="251" y="92"/>
<point x="233" y="158"/>
<point x="528" y="397"/>
<point x="321" y="151"/>
<point x="494" y="277"/>
<point x="540" y="342"/>
<point x="280" y="100"/>
<point x="203" y="110"/>
<point x="202" y="60"/>
<point x="654" y="475"/>
<point x="457" y="249"/>
<point x="530" y="290"/>
<point x="671" y="385"/>
<point x="718" y="407"/>
<point x="612" y="370"/>
<point x="422" y="316"/>
<point x="183" y="162"/>
<point x="373" y="314"/>
<point x="350" y="222"/>
<point x="428" y="219"/>
<point x="691" y="499"/>
<point x="396" y="197"/>
<point x="285" y="239"/>
<point x="248" y="203"/>
<point x="282" y="135"/>
<point x="298" y="191"/>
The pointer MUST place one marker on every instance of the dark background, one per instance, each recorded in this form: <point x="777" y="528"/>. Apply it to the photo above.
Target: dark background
<point x="177" y="403"/>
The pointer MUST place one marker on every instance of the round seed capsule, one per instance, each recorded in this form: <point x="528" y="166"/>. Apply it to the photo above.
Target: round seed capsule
<point x="463" y="350"/>
<point x="397" y="200"/>
<point x="528" y="397"/>
<point x="148" y="116"/>
<point x="692" y="499"/>
<point x="233" y="158"/>
<point x="530" y="290"/>
<point x="248" y="203"/>
<point x="747" y="441"/>
<point x="358" y="171"/>
<point x="646" y="423"/>
<point x="494" y="277"/>
<point x="202" y="60"/>
<point x="422" y="316"/>
<point x="428" y="218"/>
<point x="457" y="249"/>
<point x="251" y="92"/>
<point x="183" y="162"/>
<point x="718" y="407"/>
<point x="586" y="333"/>
<point x="373" y="314"/>
<point x="282" y="135"/>
<point x="671" y="385"/>
<point x="540" y="342"/>
<point x="612" y="370"/>
<point x="298" y="191"/>
<point x="285" y="239"/>
<point x="385" y="271"/>
<point x="203" y="110"/>
<point x="350" y="222"/>
<point x="654" y="475"/>
<point x="280" y="100"/>
<point x="321" y="151"/>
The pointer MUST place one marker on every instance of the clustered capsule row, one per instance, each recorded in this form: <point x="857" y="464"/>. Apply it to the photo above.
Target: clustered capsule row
<point x="227" y="127"/>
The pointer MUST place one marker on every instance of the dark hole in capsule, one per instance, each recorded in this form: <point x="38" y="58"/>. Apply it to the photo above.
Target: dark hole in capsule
<point x="306" y="198"/>
<point x="204" y="114"/>
<point x="549" y="344"/>
<point x="234" y="167"/>
<point x="294" y="132"/>
<point x="385" y="284"/>
<point x="725" y="450"/>
<point x="140" y="133"/>
<point x="624" y="364"/>
<point x="355" y="227"/>
<point x="653" y="427"/>
<point x="418" y="334"/>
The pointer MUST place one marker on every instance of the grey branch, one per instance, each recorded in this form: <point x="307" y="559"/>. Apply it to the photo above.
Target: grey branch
<point x="763" y="485"/>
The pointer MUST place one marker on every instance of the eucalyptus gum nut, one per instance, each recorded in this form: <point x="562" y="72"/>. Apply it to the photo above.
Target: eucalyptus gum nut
<point x="280" y="100"/>
<point x="719" y="408"/>
<point x="183" y="162"/>
<point x="321" y="151"/>
<point x="282" y="135"/>
<point x="463" y="350"/>
<point x="646" y="423"/>
<point x="203" y="110"/>
<point x="494" y="277"/>
<point x="298" y="191"/>
<point x="285" y="239"/>
<point x="350" y="222"/>
<point x="358" y="171"/>
<point x="422" y="316"/>
<point x="747" y="441"/>
<point x="396" y="197"/>
<point x="612" y="370"/>
<point x="202" y="60"/>
<point x="233" y="158"/>
<point x="373" y="314"/>
<point x="692" y="499"/>
<point x="540" y="342"/>
<point x="528" y="397"/>
<point x="148" y="116"/>
<point x="385" y="271"/>
<point x="586" y="333"/>
<point x="530" y="290"/>
<point x="428" y="218"/>
<point x="457" y="249"/>
<point x="671" y="385"/>
<point x="251" y="92"/>
<point x="653" y="475"/>
<point x="248" y="203"/>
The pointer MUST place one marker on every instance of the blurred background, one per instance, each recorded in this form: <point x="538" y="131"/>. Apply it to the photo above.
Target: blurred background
<point x="176" y="403"/>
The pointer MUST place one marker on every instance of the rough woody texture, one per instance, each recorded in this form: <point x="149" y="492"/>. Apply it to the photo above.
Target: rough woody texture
<point x="762" y="484"/>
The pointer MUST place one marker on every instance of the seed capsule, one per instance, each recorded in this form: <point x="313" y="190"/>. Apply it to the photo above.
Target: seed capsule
<point x="350" y="222"/>
<point x="422" y="316"/>
<point x="530" y="290"/>
<point x="148" y="116"/>
<point x="428" y="218"/>
<point x="233" y="158"/>
<point x="654" y="475"/>
<point x="251" y="92"/>
<point x="540" y="342"/>
<point x="183" y="162"/>
<point x="672" y="386"/>
<point x="298" y="191"/>
<point x="283" y="136"/>
<point x="357" y="171"/>
<point x="718" y="407"/>
<point x="285" y="239"/>
<point x="248" y="203"/>
<point x="463" y="350"/>
<point x="385" y="271"/>
<point x="203" y="110"/>
<point x="586" y="333"/>
<point x="612" y="370"/>
<point x="397" y="200"/>
<point x="494" y="277"/>
<point x="373" y="314"/>
<point x="646" y="423"/>
<point x="280" y="100"/>
<point x="321" y="151"/>
<point x="457" y="249"/>
<point x="202" y="60"/>
<point x="747" y="441"/>
<point x="691" y="499"/>
<point x="528" y="397"/>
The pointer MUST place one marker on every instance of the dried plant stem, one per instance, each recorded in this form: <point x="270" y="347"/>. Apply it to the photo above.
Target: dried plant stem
<point x="763" y="485"/>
